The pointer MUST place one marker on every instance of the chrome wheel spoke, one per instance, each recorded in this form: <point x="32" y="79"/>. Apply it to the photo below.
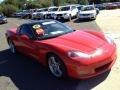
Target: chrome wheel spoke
<point x="55" y="67"/>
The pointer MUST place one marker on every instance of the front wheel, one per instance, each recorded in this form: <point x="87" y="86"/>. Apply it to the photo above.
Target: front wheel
<point x="94" y="18"/>
<point x="56" y="66"/>
<point x="12" y="46"/>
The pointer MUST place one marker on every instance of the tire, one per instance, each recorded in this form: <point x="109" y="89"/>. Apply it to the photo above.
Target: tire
<point x="70" y="18"/>
<point x="12" y="47"/>
<point x="56" y="66"/>
<point x="94" y="18"/>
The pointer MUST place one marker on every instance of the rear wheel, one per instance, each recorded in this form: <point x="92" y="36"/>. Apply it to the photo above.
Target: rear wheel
<point x="12" y="46"/>
<point x="56" y="66"/>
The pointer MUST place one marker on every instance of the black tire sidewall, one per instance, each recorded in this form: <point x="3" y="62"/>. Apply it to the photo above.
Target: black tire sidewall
<point x="10" y="42"/>
<point x="62" y="67"/>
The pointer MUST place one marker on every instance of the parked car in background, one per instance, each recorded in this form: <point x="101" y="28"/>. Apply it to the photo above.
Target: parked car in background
<point x="100" y="6"/>
<point x="66" y="12"/>
<point x="51" y="12"/>
<point x="34" y="14"/>
<point x="18" y="13"/>
<point x="3" y="18"/>
<point x="117" y="3"/>
<point x="38" y="14"/>
<point x="79" y="7"/>
<point x="27" y="14"/>
<point x="43" y="14"/>
<point x="88" y="12"/>
<point x="110" y="6"/>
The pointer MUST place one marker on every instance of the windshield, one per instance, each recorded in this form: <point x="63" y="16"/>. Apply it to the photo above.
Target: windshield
<point x="65" y="8"/>
<point x="39" y="11"/>
<point x="50" y="29"/>
<point x="79" y="7"/>
<point x="87" y="8"/>
<point x="27" y="11"/>
<point x="53" y="9"/>
<point x="45" y="9"/>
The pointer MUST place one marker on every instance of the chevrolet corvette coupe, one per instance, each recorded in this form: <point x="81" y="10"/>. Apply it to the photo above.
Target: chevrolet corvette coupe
<point x="65" y="51"/>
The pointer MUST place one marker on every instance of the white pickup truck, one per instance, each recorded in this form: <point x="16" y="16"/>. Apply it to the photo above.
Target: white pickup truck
<point x="66" y="12"/>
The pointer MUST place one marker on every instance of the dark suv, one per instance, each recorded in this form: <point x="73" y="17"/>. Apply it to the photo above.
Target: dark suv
<point x="3" y="19"/>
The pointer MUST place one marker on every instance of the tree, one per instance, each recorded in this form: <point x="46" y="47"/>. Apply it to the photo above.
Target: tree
<point x="72" y="1"/>
<point x="9" y="9"/>
<point x="43" y="3"/>
<point x="94" y="1"/>
<point x="0" y="8"/>
<point x="104" y="1"/>
<point x="82" y="1"/>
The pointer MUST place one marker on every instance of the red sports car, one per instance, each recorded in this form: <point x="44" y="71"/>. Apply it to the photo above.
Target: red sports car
<point x="65" y="51"/>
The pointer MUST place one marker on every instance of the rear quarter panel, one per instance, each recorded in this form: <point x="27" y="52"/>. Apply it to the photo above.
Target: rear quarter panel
<point x="11" y="34"/>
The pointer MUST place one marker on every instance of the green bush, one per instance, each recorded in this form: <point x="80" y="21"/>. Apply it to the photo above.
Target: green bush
<point x="9" y="9"/>
<point x="0" y="9"/>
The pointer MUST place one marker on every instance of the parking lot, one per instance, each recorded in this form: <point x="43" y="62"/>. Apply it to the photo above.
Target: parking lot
<point x="28" y="74"/>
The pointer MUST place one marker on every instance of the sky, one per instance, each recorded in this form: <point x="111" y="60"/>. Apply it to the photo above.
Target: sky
<point x="1" y="0"/>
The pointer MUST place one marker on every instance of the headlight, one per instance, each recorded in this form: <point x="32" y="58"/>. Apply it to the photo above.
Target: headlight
<point x="109" y="40"/>
<point x="82" y="55"/>
<point x="78" y="54"/>
<point x="4" y="19"/>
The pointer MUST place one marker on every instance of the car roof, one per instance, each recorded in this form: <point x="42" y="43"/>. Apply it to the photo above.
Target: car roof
<point x="89" y="6"/>
<point x="36" y="22"/>
<point x="52" y="7"/>
<point x="67" y="6"/>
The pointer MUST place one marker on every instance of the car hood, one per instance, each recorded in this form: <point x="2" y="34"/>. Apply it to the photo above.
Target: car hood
<point x="35" y="13"/>
<point x="62" y="12"/>
<point x="88" y="12"/>
<point x="44" y="12"/>
<point x="52" y="12"/>
<point x="19" y="13"/>
<point x="2" y="18"/>
<point x="78" y="40"/>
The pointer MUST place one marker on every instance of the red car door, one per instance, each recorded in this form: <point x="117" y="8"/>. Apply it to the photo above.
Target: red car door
<point x="26" y="44"/>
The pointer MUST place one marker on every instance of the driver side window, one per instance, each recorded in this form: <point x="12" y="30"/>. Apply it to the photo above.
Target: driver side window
<point x="25" y="30"/>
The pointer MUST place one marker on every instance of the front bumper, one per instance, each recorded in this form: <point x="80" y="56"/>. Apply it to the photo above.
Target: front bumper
<point x="86" y="71"/>
<point x="86" y="16"/>
<point x="61" y="16"/>
<point x="3" y="21"/>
